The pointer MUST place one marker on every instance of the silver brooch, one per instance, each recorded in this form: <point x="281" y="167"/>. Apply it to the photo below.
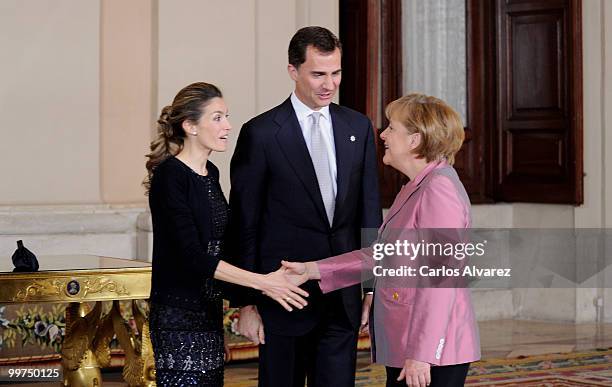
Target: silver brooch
<point x="352" y="138"/>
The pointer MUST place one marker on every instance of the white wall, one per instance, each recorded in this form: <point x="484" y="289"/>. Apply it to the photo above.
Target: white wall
<point x="49" y="101"/>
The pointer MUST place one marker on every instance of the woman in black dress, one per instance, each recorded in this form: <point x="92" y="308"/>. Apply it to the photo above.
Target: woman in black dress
<point x="189" y="215"/>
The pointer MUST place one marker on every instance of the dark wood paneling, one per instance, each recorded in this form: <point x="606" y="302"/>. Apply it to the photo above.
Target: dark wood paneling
<point x="391" y="88"/>
<point x="537" y="73"/>
<point x="473" y="160"/>
<point x="536" y="131"/>
<point x="370" y="31"/>
<point x="373" y="106"/>
<point x="534" y="5"/>
<point x="355" y="55"/>
<point x="576" y="99"/>
<point x="537" y="155"/>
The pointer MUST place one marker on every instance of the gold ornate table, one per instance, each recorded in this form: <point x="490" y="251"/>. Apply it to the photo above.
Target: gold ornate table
<point x="78" y="280"/>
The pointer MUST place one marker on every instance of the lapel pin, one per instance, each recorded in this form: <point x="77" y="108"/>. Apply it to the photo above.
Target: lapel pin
<point x="352" y="138"/>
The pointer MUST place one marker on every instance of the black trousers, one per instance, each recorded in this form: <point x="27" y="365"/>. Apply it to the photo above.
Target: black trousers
<point x="441" y="376"/>
<point x="325" y="357"/>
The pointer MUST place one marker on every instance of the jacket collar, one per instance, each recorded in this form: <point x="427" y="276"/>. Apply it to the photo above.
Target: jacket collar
<point x="410" y="188"/>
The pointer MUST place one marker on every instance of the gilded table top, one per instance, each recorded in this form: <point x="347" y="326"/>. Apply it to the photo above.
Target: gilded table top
<point x="76" y="278"/>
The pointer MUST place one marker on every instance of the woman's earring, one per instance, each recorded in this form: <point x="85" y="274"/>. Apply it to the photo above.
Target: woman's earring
<point x="194" y="133"/>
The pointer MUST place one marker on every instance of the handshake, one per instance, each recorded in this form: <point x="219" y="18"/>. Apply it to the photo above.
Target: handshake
<point x="283" y="285"/>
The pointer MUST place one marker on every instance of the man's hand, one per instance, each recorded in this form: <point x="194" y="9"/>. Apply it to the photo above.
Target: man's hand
<point x="250" y="325"/>
<point x="417" y="373"/>
<point x="365" y="312"/>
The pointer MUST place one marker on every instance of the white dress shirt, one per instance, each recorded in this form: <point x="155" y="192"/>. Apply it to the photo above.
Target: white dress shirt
<point x="303" y="113"/>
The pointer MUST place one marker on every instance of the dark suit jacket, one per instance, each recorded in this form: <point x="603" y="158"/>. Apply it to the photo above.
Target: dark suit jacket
<point x="277" y="209"/>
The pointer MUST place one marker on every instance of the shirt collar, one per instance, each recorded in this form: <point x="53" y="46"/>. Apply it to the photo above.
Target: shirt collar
<point x="302" y="111"/>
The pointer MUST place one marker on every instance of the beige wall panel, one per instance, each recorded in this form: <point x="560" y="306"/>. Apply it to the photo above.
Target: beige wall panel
<point x="590" y="214"/>
<point x="325" y="13"/>
<point x="126" y="93"/>
<point x="608" y="112"/>
<point x="302" y="13"/>
<point x="529" y="215"/>
<point x="322" y="13"/>
<point x="211" y="41"/>
<point x="49" y="101"/>
<point x="275" y="26"/>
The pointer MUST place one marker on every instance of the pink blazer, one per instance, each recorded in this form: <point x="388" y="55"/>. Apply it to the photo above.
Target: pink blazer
<point x="433" y="325"/>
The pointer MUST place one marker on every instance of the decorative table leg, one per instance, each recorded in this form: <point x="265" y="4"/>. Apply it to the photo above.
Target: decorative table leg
<point x="86" y="346"/>
<point x="80" y="364"/>
<point x="139" y="368"/>
<point x="147" y="356"/>
<point x="146" y="348"/>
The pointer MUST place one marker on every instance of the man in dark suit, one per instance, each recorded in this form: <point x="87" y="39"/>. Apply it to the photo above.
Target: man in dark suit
<point x="304" y="183"/>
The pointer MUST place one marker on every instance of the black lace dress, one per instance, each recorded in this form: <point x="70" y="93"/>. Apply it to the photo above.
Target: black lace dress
<point x="188" y="344"/>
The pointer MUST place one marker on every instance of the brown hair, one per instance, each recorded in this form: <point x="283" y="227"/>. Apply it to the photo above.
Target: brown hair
<point x="440" y="125"/>
<point x="322" y="39"/>
<point x="188" y="105"/>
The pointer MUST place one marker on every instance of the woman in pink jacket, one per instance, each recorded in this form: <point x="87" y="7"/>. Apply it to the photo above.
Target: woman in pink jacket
<point x="425" y="336"/>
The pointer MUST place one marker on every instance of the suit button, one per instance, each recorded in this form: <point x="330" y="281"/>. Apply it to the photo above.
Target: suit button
<point x="395" y="296"/>
<point x="333" y="234"/>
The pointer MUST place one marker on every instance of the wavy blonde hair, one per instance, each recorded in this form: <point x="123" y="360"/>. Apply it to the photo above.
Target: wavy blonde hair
<point x="440" y="126"/>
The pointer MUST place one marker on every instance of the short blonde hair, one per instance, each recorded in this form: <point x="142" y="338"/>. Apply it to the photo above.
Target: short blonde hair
<point x="440" y="125"/>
